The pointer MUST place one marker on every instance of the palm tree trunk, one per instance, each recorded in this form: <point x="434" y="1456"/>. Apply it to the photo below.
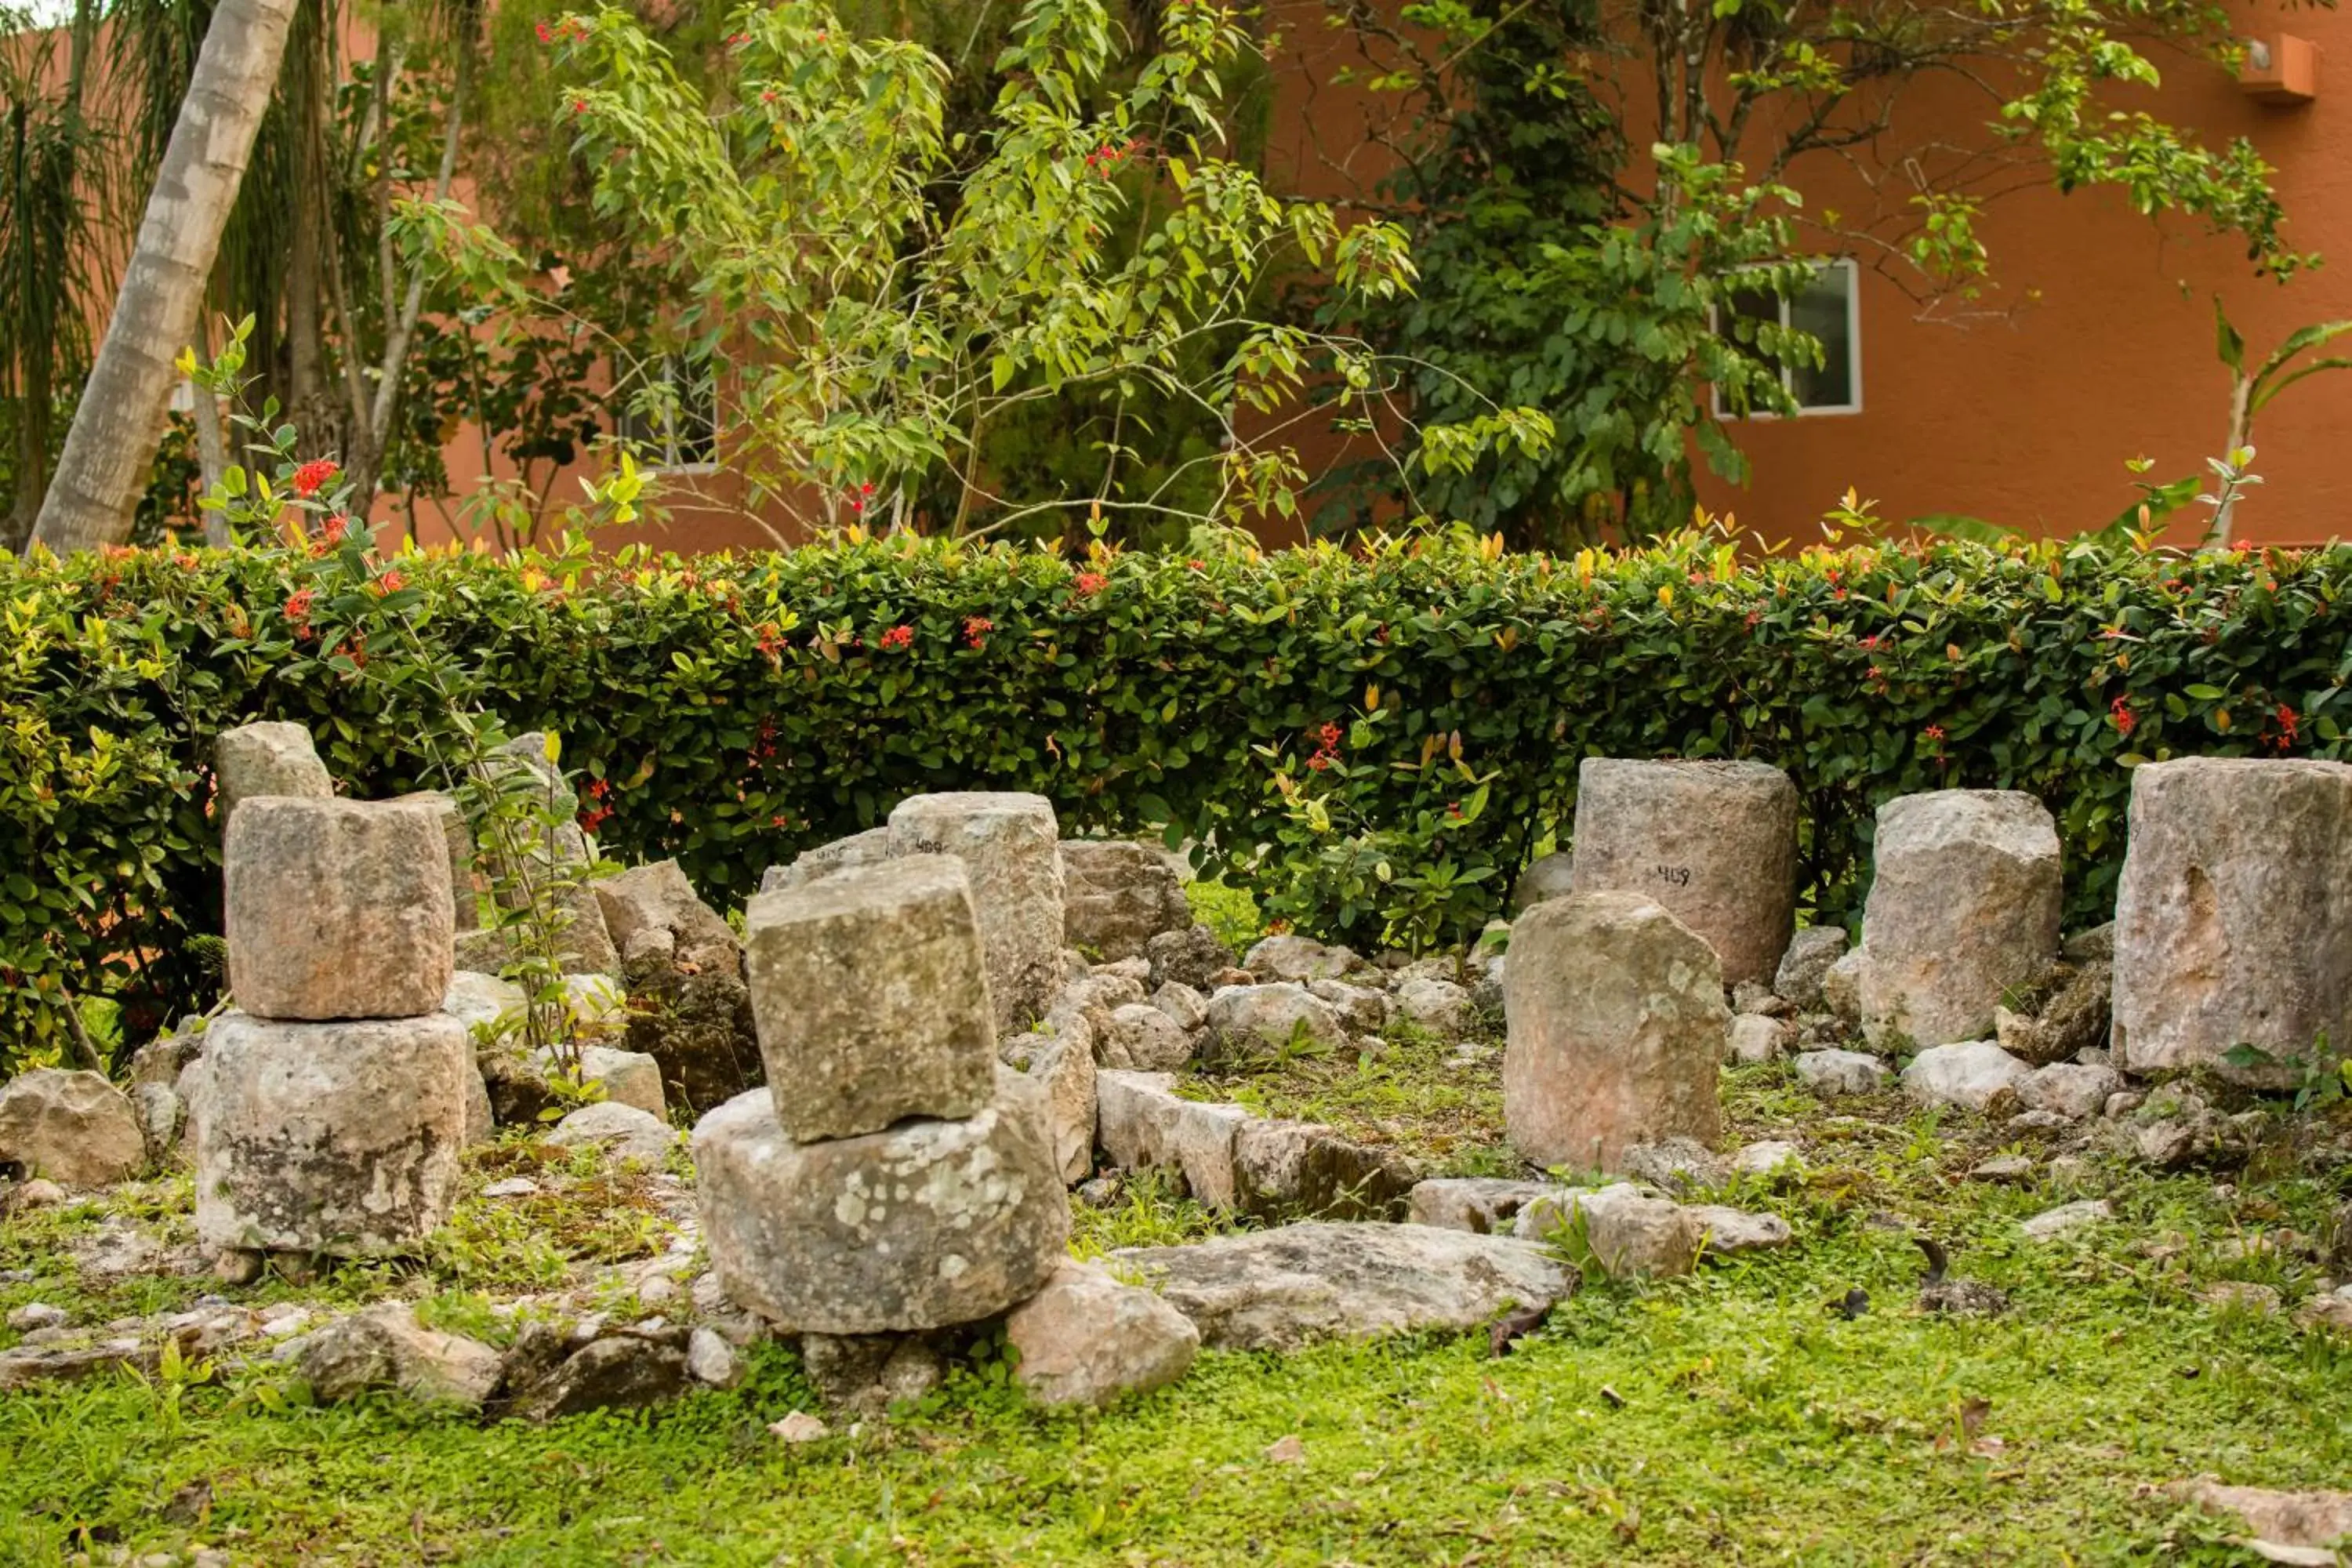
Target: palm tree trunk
<point x="112" y="443"/>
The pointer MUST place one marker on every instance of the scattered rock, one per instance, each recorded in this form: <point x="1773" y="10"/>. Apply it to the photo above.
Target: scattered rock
<point x="1615" y="1026"/>
<point x="1833" y="1073"/>
<point x="627" y="1077"/>
<point x="925" y="1224"/>
<point x="2242" y="1296"/>
<point x="384" y="1346"/>
<point x="1192" y="958"/>
<point x="1729" y="1232"/>
<point x="1438" y="1006"/>
<point x="866" y="1375"/>
<point x="2070" y="1090"/>
<point x="1085" y="1339"/>
<point x="1842" y="987"/>
<point x="1677" y="1164"/>
<point x="1484" y="1205"/>
<point x="1253" y="1024"/>
<point x="690" y="1005"/>
<point x="2230" y="926"/>
<point x="624" y="1132"/>
<point x="1281" y="1289"/>
<point x="709" y="1359"/>
<point x="1628" y="1233"/>
<point x="1973" y="1075"/>
<point x="1767" y="1157"/>
<point x="1143" y="1124"/>
<point x="336" y="909"/>
<point x="1186" y="1007"/>
<point x="800" y="1427"/>
<point x="334" y="1138"/>
<point x="1143" y="1038"/>
<point x="2009" y="1169"/>
<point x="1963" y="909"/>
<point x="2074" y="1019"/>
<point x="1755" y="1038"/>
<point x="1806" y="964"/>
<point x="34" y="1316"/>
<point x="2068" y="1218"/>
<point x="1361" y="1009"/>
<point x="1010" y="845"/>
<point x="658" y="897"/>
<point x="619" y="1372"/>
<point x="1292" y="1169"/>
<point x="2300" y="1519"/>
<point x="1299" y="959"/>
<point x="1714" y="842"/>
<point x="1064" y="1065"/>
<point x="71" y="1128"/>
<point x="1117" y="896"/>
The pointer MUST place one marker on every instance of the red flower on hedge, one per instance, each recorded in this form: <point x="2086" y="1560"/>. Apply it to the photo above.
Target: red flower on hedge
<point x="976" y="629"/>
<point x="1934" y="733"/>
<point x="2289" y="721"/>
<point x="311" y="476"/>
<point x="391" y="583"/>
<point x="1092" y="582"/>
<point x="899" y="638"/>
<point x="2120" y="711"/>
<point x="298" y="606"/>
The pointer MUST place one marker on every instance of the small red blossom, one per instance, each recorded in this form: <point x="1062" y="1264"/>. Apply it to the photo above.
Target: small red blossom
<point x="1934" y="733"/>
<point x="1329" y="735"/>
<point x="1319" y="761"/>
<point x="2121" y="713"/>
<point x="1454" y="809"/>
<point x="579" y="106"/>
<point x="859" y="497"/>
<point x="737" y="40"/>
<point x="298" y="606"/>
<point x="311" y="476"/>
<point x="899" y="638"/>
<point x="2289" y="721"/>
<point x="546" y="34"/>
<point x="1092" y="582"/>
<point x="1870" y="642"/>
<point x="391" y="581"/>
<point x="976" y="629"/>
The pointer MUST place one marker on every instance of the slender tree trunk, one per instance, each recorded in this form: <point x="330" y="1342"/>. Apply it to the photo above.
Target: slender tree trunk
<point x="115" y="431"/>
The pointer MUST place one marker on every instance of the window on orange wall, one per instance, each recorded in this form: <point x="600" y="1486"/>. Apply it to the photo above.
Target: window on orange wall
<point x="1829" y="309"/>
<point x="667" y="408"/>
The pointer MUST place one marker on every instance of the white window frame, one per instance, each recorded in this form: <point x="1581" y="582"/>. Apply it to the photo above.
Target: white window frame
<point x="1852" y="349"/>
<point x="667" y="460"/>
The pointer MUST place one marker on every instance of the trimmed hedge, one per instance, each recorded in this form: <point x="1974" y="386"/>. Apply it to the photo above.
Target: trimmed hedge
<point x="737" y="709"/>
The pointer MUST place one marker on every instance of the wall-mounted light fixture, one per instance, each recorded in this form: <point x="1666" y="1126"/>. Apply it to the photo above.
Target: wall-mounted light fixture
<point x="2280" y="69"/>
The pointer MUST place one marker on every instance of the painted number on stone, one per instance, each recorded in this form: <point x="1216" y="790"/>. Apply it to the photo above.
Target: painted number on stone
<point x="1672" y="876"/>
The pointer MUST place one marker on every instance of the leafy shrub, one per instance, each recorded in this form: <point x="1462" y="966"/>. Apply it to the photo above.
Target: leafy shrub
<point x="733" y="710"/>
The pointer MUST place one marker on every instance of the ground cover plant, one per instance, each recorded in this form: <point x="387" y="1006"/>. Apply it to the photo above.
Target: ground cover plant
<point x="1735" y="1414"/>
<point x="1376" y="739"/>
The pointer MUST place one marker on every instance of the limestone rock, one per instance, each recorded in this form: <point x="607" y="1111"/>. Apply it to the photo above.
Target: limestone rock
<point x="1143" y="1124"/>
<point x="2070" y="1090"/>
<point x="1117" y="896"/>
<point x="1842" y="986"/>
<point x="617" y="1372"/>
<point x="629" y="1078"/>
<point x="1548" y="876"/>
<point x="384" y="1346"/>
<point x="1008" y="844"/>
<point x="268" y="758"/>
<point x="1806" y="964"/>
<point x="335" y="1138"/>
<point x="1142" y="1038"/>
<point x="1299" y="959"/>
<point x="866" y="1375"/>
<point x="162" y="1115"/>
<point x="2232" y="925"/>
<point x="1963" y="911"/>
<point x="336" y="909"/>
<point x="709" y="1359"/>
<point x="1085" y="1339"/>
<point x="1291" y="1286"/>
<point x="1833" y="1073"/>
<point x="1438" y="1006"/>
<point x="1730" y="1232"/>
<point x="624" y="1132"/>
<point x="871" y="997"/>
<point x="2072" y="1019"/>
<point x="658" y="897"/>
<point x="1973" y="1075"/>
<point x="870" y="847"/>
<point x="1185" y="1006"/>
<point x="929" y="1224"/>
<point x="1249" y="1024"/>
<point x="1482" y="1204"/>
<point x="1284" y="1169"/>
<point x="1615" y="1021"/>
<point x="1677" y="1166"/>
<point x="2096" y="946"/>
<point x="71" y="1128"/>
<point x="690" y="1010"/>
<point x="1767" y="1157"/>
<point x="1629" y="1233"/>
<point x="1362" y="1010"/>
<point x="1714" y="842"/>
<point x="1756" y="1038"/>
<point x="2294" y="1520"/>
<point x="1064" y="1065"/>
<point x="2067" y="1218"/>
<point x="1192" y="957"/>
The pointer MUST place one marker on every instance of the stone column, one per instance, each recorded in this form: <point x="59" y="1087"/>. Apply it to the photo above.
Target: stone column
<point x="1965" y="900"/>
<point x="1714" y="843"/>
<point x="1010" y="845"/>
<point x="1615" y="1021"/>
<point x="2233" y="922"/>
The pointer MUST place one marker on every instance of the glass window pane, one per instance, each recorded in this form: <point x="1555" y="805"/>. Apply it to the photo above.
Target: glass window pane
<point x="1824" y="309"/>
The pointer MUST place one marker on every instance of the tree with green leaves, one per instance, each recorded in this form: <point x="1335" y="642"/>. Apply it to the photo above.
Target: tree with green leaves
<point x="1605" y="182"/>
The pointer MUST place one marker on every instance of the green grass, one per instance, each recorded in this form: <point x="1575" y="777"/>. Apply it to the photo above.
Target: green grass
<point x="1231" y="912"/>
<point x="1728" y="1417"/>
